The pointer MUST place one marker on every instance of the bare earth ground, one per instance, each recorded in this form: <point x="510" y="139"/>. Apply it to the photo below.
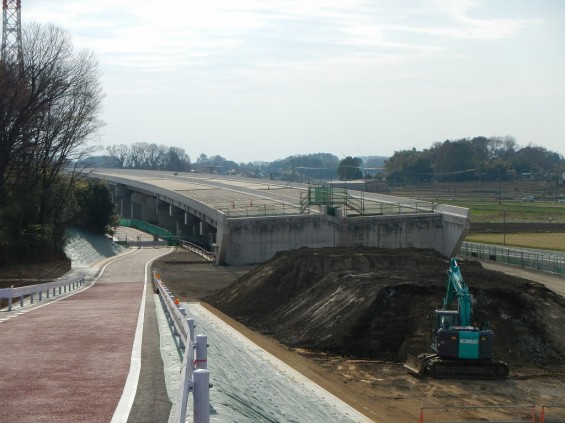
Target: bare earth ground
<point x="527" y="320"/>
<point x="289" y="306"/>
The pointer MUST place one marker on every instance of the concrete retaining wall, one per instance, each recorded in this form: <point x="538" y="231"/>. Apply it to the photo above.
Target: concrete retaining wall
<point x="255" y="240"/>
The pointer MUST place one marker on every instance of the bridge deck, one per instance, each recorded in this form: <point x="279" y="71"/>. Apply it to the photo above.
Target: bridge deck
<point x="240" y="197"/>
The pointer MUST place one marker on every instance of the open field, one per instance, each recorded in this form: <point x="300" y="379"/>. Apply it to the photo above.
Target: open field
<point x="542" y="241"/>
<point x="496" y="202"/>
<point x="482" y="191"/>
<point x="534" y="212"/>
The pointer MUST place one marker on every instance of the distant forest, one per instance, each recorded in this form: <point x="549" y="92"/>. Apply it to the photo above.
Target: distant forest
<point x="492" y="159"/>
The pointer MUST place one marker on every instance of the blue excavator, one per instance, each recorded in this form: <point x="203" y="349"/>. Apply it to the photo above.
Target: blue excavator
<point x="460" y="348"/>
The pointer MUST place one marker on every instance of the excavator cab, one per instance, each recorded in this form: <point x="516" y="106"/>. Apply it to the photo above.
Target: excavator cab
<point x="449" y="340"/>
<point x="443" y="320"/>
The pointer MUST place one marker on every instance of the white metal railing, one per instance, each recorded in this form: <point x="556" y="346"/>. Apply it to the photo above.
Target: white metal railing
<point x="199" y="250"/>
<point x="195" y="376"/>
<point x="49" y="288"/>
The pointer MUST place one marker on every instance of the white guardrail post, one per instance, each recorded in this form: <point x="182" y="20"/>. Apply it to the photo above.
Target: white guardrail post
<point x="195" y="375"/>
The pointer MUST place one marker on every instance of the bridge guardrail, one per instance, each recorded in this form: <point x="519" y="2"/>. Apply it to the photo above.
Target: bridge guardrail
<point x="50" y="288"/>
<point x="195" y="376"/>
<point x="536" y="260"/>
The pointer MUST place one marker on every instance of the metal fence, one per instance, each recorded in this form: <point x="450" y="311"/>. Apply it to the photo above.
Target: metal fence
<point x="156" y="231"/>
<point x="506" y="413"/>
<point x="530" y="259"/>
<point x="553" y="413"/>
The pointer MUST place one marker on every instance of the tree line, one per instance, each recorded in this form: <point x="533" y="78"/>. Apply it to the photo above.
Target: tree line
<point x="318" y="166"/>
<point x="491" y="159"/>
<point x="148" y="156"/>
<point x="49" y="107"/>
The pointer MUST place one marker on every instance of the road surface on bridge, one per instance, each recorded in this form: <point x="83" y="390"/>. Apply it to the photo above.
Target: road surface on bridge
<point x="68" y="360"/>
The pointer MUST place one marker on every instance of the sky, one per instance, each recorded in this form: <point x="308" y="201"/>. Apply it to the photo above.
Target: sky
<point x="260" y="80"/>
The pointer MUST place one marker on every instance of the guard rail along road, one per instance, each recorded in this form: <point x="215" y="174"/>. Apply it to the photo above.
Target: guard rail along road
<point x="195" y="376"/>
<point x="49" y="288"/>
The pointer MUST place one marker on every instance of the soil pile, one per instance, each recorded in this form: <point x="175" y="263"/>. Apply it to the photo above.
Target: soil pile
<point x="374" y="303"/>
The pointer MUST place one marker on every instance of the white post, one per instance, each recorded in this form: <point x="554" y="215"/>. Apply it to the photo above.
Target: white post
<point x="201" y="396"/>
<point x="190" y="322"/>
<point x="201" y="361"/>
<point x="186" y="380"/>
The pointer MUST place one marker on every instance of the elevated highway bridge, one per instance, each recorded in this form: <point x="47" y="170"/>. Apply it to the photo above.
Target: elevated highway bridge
<point x="246" y="221"/>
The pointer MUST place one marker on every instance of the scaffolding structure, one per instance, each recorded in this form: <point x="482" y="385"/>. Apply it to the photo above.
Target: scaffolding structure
<point x="11" y="53"/>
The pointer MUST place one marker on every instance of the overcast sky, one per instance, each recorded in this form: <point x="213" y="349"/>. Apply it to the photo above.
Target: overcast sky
<point x="265" y="79"/>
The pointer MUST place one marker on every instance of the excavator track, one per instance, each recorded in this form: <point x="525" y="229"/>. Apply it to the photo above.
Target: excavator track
<point x="467" y="369"/>
<point x="441" y="368"/>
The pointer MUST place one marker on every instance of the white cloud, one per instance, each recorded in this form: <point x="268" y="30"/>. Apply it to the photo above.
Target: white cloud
<point x="345" y="56"/>
<point x="173" y="34"/>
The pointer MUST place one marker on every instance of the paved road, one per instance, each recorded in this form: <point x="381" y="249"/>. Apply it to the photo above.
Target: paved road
<point x="68" y="361"/>
<point x="554" y="282"/>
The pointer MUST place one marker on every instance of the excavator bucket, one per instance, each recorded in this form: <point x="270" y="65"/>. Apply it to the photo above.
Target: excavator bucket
<point x="414" y="364"/>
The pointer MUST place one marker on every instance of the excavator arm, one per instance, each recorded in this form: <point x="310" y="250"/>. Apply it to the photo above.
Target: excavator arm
<point x="458" y="289"/>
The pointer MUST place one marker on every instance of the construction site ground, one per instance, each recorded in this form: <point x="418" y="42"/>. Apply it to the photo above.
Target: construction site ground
<point x="346" y="318"/>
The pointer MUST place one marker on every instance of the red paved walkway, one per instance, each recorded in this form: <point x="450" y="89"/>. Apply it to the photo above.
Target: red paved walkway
<point x="68" y="361"/>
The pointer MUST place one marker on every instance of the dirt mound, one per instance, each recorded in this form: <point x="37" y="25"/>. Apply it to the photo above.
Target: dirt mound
<point x="373" y="303"/>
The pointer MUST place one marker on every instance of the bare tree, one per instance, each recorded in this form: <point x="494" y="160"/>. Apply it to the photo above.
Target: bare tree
<point x="48" y="115"/>
<point x="142" y="155"/>
<point x="119" y="153"/>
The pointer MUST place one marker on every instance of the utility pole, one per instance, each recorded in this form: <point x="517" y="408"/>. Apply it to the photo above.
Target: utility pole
<point x="11" y="53"/>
